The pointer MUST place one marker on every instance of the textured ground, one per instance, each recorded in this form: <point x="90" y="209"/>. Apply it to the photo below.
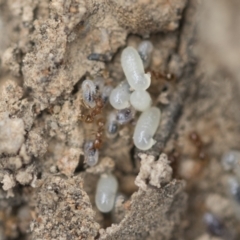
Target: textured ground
<point x="47" y="48"/>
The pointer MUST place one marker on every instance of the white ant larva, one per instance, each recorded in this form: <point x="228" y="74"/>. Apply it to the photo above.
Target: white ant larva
<point x="89" y="93"/>
<point x="133" y="69"/>
<point x="125" y="115"/>
<point x="90" y="154"/>
<point x="112" y="125"/>
<point x="146" y="127"/>
<point x="140" y="100"/>
<point x="119" y="97"/>
<point x="145" y="49"/>
<point x="106" y="193"/>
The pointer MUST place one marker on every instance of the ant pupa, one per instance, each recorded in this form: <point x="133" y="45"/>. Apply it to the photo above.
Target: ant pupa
<point x="89" y="93"/>
<point x="112" y="125"/>
<point x="145" y="49"/>
<point x="119" y="97"/>
<point x="216" y="227"/>
<point x="140" y="100"/>
<point x="146" y="127"/>
<point x="90" y="153"/>
<point x="125" y="115"/>
<point x="99" y="83"/>
<point x="234" y="189"/>
<point x="133" y="69"/>
<point x="106" y="191"/>
<point x="230" y="159"/>
<point x="106" y="91"/>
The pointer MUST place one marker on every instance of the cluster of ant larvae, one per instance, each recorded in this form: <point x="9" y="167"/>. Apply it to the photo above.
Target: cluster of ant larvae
<point x="126" y="102"/>
<point x="106" y="192"/>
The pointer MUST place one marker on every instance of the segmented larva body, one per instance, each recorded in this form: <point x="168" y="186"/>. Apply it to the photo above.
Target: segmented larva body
<point x="89" y="93"/>
<point x="146" y="127"/>
<point x="133" y="69"/>
<point x="112" y="125"/>
<point x="125" y="115"/>
<point x="140" y="100"/>
<point x="119" y="97"/>
<point x="106" y="193"/>
<point x="145" y="49"/>
<point x="90" y="153"/>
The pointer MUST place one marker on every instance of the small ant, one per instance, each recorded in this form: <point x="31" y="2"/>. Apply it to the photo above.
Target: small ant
<point x="98" y="140"/>
<point x="89" y="118"/>
<point x="163" y="75"/>
<point x="197" y="141"/>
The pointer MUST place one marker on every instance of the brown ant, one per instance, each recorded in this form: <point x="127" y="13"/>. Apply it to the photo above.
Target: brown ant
<point x="89" y="118"/>
<point x="163" y="75"/>
<point x="98" y="137"/>
<point x="197" y="141"/>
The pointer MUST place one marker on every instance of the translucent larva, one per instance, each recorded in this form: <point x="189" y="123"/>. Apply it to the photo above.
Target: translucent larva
<point x="119" y="97"/>
<point x="106" y="91"/>
<point x="106" y="193"/>
<point x="140" y="100"/>
<point x="133" y="69"/>
<point x="90" y="154"/>
<point x="112" y="125"/>
<point x="146" y="127"/>
<point x="99" y="83"/>
<point x="89" y="93"/>
<point x="125" y="115"/>
<point x="145" y="49"/>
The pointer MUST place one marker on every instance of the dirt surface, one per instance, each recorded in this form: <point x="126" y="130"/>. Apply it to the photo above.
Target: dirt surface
<point x="47" y="48"/>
